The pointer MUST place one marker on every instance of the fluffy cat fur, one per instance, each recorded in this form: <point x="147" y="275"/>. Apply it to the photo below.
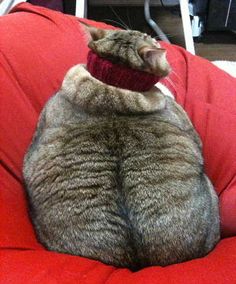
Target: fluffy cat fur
<point x="116" y="175"/>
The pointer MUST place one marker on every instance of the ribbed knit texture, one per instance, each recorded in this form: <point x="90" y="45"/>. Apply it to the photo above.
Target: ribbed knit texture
<point x="119" y="75"/>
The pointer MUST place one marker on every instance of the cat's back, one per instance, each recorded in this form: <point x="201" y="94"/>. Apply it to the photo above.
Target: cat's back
<point x="167" y="198"/>
<point x="108" y="180"/>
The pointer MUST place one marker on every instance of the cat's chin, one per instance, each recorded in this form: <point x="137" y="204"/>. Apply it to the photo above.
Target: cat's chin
<point x="162" y="71"/>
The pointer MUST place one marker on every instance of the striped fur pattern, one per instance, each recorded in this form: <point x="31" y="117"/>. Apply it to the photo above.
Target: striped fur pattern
<point x="117" y="176"/>
<point x="132" y="48"/>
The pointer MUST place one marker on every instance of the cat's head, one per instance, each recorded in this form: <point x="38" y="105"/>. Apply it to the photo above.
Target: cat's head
<point x="131" y="48"/>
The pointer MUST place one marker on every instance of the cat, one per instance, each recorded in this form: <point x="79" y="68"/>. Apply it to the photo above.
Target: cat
<point x="117" y="175"/>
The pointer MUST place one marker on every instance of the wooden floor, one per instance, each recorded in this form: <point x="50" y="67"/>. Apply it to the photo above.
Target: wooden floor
<point x="213" y="45"/>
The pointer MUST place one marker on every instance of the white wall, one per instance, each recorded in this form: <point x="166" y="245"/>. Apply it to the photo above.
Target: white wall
<point x="6" y="5"/>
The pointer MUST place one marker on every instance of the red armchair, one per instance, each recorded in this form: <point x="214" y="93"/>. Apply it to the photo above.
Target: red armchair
<point x="37" y="47"/>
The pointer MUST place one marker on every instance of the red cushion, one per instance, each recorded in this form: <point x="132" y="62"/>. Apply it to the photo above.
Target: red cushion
<point x="37" y="47"/>
<point x="43" y="267"/>
<point x="209" y="97"/>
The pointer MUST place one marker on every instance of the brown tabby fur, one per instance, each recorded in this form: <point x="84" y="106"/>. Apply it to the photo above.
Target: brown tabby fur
<point x="117" y="175"/>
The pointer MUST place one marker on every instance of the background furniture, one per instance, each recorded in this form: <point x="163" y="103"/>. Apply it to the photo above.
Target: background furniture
<point x="212" y="15"/>
<point x="6" y="5"/>
<point x="221" y="15"/>
<point x="81" y="11"/>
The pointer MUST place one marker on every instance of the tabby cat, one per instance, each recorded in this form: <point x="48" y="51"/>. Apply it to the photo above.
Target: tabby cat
<point x="117" y="175"/>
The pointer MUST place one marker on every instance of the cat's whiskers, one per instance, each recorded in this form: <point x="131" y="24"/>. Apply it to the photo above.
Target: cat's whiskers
<point x="119" y="18"/>
<point x="168" y="35"/>
<point x="113" y="21"/>
<point x="128" y="17"/>
<point x="172" y="71"/>
<point x="170" y="81"/>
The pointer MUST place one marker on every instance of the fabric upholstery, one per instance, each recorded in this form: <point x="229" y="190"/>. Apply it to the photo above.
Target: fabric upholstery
<point x="37" y="47"/>
<point x="119" y="75"/>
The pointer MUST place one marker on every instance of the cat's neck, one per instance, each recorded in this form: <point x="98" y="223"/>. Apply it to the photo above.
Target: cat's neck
<point x="93" y="96"/>
<point x="119" y="75"/>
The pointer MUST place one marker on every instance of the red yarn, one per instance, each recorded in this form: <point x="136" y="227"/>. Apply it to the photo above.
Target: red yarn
<point x="119" y="75"/>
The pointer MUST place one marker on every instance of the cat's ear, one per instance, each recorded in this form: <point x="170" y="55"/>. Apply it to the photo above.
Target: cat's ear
<point x="155" y="60"/>
<point x="95" y="33"/>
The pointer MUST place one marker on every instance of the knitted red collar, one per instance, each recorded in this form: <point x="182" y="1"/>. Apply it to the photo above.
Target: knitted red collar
<point x="119" y="75"/>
